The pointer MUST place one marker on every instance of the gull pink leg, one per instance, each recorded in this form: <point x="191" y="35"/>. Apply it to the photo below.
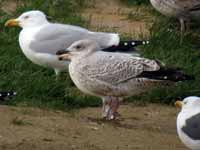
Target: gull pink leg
<point x="105" y="107"/>
<point x="114" y="105"/>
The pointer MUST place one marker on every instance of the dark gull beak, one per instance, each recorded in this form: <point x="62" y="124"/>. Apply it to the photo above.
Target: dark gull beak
<point x="60" y="52"/>
<point x="63" y="55"/>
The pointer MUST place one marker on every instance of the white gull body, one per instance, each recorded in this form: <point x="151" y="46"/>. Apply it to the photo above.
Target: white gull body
<point x="188" y="122"/>
<point x="26" y="37"/>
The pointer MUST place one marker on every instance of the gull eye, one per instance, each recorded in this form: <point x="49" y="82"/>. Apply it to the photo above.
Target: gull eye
<point x="184" y="103"/>
<point x="78" y="47"/>
<point x="26" y="17"/>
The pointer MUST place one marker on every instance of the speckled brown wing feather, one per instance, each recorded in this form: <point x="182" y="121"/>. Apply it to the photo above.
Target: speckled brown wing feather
<point x="189" y="5"/>
<point x="177" y="8"/>
<point x="115" y="68"/>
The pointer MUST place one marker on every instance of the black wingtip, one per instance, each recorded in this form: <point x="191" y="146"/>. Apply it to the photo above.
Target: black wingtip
<point x="7" y="95"/>
<point x="126" y="46"/>
<point x="183" y="77"/>
<point x="174" y="75"/>
<point x="133" y="43"/>
<point x="179" y="75"/>
<point x="60" y="52"/>
<point x="119" y="49"/>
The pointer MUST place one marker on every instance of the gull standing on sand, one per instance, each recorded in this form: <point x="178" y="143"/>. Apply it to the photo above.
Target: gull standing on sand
<point x="188" y="122"/>
<point x="113" y="76"/>
<point x="41" y="39"/>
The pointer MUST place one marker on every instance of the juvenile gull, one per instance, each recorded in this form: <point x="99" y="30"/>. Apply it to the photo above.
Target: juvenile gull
<point x="41" y="39"/>
<point x="188" y="122"/>
<point x="183" y="10"/>
<point x="113" y="76"/>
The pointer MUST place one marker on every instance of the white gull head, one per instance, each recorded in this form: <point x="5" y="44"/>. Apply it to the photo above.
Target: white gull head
<point x="83" y="47"/>
<point x="190" y="102"/>
<point x="32" y="19"/>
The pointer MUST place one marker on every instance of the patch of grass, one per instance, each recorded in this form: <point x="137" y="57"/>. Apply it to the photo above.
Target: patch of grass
<point x="138" y="16"/>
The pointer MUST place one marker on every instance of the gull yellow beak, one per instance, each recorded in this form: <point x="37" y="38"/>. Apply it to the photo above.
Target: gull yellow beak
<point x="179" y="104"/>
<point x="12" y="22"/>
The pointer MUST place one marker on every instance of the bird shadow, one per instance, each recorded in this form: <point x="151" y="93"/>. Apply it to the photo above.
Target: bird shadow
<point x="117" y="123"/>
<point x="133" y="123"/>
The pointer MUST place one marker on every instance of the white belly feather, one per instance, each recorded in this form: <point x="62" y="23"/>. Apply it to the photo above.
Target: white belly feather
<point x="42" y="59"/>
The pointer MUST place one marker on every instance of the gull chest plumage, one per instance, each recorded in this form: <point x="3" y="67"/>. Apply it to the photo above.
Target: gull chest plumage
<point x="76" y="76"/>
<point x="78" y="70"/>
<point x="26" y="36"/>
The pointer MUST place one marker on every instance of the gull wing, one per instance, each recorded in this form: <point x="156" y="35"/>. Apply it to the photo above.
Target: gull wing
<point x="54" y="37"/>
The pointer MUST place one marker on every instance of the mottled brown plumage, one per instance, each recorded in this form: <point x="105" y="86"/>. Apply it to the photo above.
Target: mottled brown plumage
<point x="113" y="76"/>
<point x="183" y="10"/>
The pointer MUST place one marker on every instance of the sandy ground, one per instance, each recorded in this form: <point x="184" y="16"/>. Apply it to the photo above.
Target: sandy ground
<point x="151" y="127"/>
<point x="114" y="16"/>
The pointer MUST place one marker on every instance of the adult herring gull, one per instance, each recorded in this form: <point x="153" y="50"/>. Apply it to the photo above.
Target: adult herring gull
<point x="40" y="39"/>
<point x="188" y="122"/>
<point x="113" y="76"/>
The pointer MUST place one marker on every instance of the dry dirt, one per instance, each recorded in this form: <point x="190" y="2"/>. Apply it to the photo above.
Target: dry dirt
<point x="151" y="127"/>
<point x="114" y="16"/>
<point x="9" y="6"/>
